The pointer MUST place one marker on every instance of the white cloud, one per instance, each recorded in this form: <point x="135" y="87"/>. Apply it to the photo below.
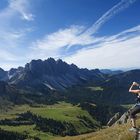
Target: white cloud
<point x="99" y="50"/>
<point x="7" y="56"/>
<point x="117" y="51"/>
<point x="108" y="15"/>
<point x="50" y="45"/>
<point x="21" y="6"/>
<point x="12" y="37"/>
<point x="111" y="52"/>
<point x="60" y="38"/>
<point x="66" y="39"/>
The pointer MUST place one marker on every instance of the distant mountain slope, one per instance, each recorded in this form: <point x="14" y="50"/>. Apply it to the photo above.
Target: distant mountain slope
<point x="113" y="90"/>
<point x="3" y="74"/>
<point x="111" y="72"/>
<point x="9" y="93"/>
<point x="116" y="87"/>
<point x="125" y="78"/>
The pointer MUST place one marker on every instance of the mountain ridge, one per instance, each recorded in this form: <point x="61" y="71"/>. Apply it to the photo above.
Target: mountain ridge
<point x="53" y="74"/>
<point x="56" y="76"/>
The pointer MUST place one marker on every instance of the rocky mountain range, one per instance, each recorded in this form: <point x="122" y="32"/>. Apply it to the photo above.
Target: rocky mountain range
<point x="55" y="75"/>
<point x="48" y="76"/>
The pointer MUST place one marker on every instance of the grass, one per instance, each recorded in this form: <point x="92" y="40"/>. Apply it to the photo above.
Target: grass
<point x="29" y="130"/>
<point x="96" y="88"/>
<point x="116" y="132"/>
<point x="11" y="114"/>
<point x="66" y="112"/>
<point x="127" y="106"/>
<point x="61" y="112"/>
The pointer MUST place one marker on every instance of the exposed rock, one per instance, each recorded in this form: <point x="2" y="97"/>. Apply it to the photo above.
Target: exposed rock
<point x="113" y="119"/>
<point x="123" y="118"/>
<point x="117" y="119"/>
<point x="57" y="74"/>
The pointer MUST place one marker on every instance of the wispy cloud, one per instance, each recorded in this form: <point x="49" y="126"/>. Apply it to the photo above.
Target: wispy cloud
<point x="80" y="45"/>
<point x="8" y="33"/>
<point x="66" y="40"/>
<point x="123" y="4"/>
<point x="93" y="52"/>
<point x="11" y="37"/>
<point x="7" y="56"/>
<point x="76" y="44"/>
<point x="60" y="38"/>
<point x="22" y="7"/>
<point x="117" y="51"/>
<point x="51" y="45"/>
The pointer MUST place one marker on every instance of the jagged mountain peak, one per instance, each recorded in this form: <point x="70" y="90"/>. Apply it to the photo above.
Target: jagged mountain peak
<point x="56" y="74"/>
<point x="49" y="67"/>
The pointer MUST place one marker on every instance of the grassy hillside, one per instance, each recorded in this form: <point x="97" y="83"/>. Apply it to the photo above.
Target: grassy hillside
<point x="62" y="112"/>
<point x="117" y="132"/>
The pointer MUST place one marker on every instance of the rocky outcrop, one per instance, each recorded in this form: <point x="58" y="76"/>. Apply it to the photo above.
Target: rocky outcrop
<point x="113" y="119"/>
<point x="120" y="119"/>
<point x="123" y="119"/>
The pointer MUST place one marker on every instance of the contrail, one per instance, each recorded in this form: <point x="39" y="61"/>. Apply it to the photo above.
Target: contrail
<point x="108" y="15"/>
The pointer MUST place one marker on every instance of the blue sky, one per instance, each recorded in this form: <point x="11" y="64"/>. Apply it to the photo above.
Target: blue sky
<point x="90" y="33"/>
